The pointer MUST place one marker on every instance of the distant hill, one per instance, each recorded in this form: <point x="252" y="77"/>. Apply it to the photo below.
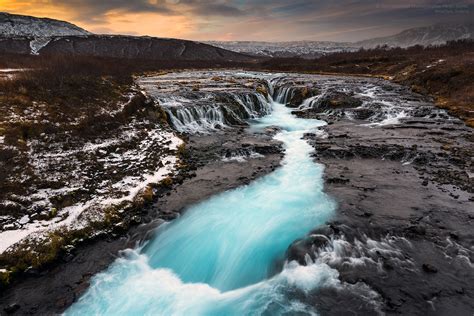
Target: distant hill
<point x="144" y="47"/>
<point x="429" y="35"/>
<point x="305" y="49"/>
<point x="12" y="25"/>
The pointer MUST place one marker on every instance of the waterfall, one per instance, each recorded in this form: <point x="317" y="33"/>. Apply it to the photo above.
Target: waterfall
<point x="205" y="101"/>
<point x="220" y="110"/>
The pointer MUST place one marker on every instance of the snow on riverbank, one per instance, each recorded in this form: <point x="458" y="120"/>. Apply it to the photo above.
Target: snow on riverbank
<point x="112" y="192"/>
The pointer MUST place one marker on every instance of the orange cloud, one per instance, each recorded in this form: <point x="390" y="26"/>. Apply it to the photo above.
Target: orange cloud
<point x="115" y="21"/>
<point x="146" y="24"/>
<point x="42" y="8"/>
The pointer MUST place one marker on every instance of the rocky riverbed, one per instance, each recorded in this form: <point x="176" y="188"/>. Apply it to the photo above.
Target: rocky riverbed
<point x="404" y="186"/>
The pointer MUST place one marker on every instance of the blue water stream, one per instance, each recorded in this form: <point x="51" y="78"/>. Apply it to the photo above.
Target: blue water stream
<point x="219" y="257"/>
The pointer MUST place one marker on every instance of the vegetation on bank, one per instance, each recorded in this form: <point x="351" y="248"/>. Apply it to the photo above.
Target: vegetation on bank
<point x="59" y="105"/>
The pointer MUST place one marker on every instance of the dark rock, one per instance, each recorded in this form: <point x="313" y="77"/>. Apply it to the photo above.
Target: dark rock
<point x="428" y="268"/>
<point x="299" y="95"/>
<point x="338" y="101"/>
<point x="12" y="308"/>
<point x="307" y="246"/>
<point x="336" y="180"/>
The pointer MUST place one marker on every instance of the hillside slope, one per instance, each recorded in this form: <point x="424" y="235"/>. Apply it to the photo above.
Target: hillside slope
<point x="13" y="25"/>
<point x="430" y="35"/>
<point x="117" y="46"/>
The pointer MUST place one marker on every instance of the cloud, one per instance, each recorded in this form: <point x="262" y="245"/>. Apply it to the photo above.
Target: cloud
<point x="211" y="9"/>
<point x="342" y="20"/>
<point x="94" y="11"/>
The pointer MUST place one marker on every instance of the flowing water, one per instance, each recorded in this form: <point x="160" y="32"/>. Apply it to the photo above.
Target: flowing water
<point x="220" y="257"/>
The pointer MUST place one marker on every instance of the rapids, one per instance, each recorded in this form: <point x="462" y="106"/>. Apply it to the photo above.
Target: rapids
<point x="221" y="257"/>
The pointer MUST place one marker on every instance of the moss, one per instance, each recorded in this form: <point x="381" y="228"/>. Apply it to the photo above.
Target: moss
<point x="470" y="122"/>
<point x="111" y="214"/>
<point x="22" y="256"/>
<point x="52" y="249"/>
<point x="148" y="194"/>
<point x="53" y="212"/>
<point x="262" y="90"/>
<point x="167" y="182"/>
<point x="181" y="150"/>
<point x="5" y="278"/>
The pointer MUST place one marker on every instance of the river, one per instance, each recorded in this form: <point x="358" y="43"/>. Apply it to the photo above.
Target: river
<point x="221" y="257"/>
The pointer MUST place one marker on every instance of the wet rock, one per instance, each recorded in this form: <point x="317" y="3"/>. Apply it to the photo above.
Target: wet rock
<point x="12" y="308"/>
<point x="338" y="101"/>
<point x="428" y="268"/>
<point x="337" y="180"/>
<point x="299" y="95"/>
<point x="363" y="113"/>
<point x="299" y="249"/>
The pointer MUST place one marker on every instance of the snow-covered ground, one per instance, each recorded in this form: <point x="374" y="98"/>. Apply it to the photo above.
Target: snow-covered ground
<point x="69" y="217"/>
<point x="67" y="179"/>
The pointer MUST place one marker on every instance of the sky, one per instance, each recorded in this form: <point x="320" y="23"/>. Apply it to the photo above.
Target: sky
<point x="261" y="20"/>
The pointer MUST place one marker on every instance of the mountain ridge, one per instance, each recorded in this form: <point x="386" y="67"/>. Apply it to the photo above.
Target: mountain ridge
<point x="435" y="34"/>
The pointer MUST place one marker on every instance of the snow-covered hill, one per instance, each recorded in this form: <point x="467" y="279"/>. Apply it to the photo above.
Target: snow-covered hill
<point x="12" y="25"/>
<point x="305" y="49"/>
<point x="429" y="35"/>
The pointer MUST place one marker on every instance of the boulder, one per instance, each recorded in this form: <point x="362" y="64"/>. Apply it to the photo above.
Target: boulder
<point x="338" y="101"/>
<point x="299" y="95"/>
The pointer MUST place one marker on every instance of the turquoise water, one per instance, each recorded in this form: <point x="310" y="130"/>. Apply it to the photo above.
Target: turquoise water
<point x="219" y="257"/>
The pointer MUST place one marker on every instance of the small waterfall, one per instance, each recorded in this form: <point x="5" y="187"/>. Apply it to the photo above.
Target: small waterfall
<point x="283" y="94"/>
<point x="214" y="111"/>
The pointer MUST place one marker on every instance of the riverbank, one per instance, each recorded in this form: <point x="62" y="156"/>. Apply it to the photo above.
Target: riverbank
<point x="405" y="201"/>
<point x="55" y="289"/>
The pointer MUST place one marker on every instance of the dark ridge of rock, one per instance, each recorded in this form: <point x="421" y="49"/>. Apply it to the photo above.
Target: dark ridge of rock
<point x="16" y="45"/>
<point x="301" y="94"/>
<point x="132" y="47"/>
<point x="338" y="100"/>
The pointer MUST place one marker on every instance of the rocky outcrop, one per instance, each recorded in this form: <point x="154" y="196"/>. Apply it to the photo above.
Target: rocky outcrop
<point x="338" y="100"/>
<point x="299" y="95"/>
